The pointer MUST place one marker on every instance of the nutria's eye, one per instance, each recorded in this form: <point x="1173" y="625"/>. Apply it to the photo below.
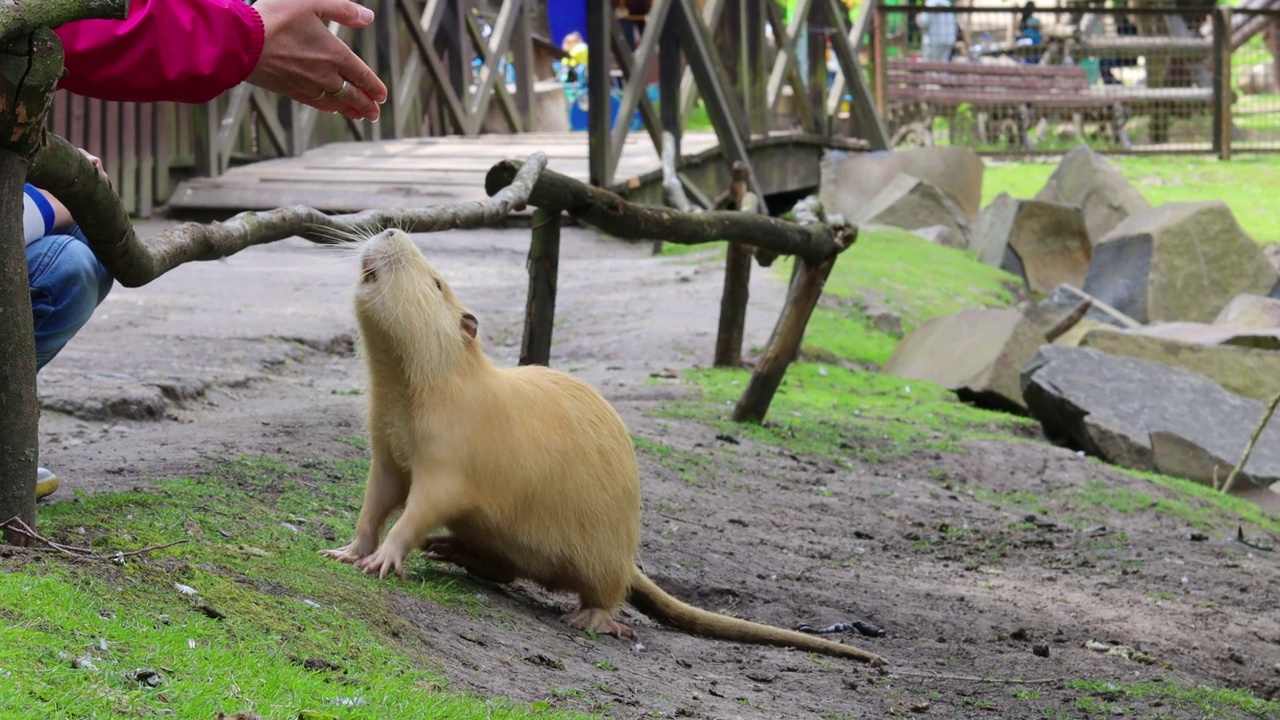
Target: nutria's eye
<point x="439" y="286"/>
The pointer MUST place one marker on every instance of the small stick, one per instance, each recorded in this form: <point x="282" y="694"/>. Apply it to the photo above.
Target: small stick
<point x="1068" y="321"/>
<point x="1248" y="449"/>
<point x="15" y="524"/>
<point x="973" y="678"/>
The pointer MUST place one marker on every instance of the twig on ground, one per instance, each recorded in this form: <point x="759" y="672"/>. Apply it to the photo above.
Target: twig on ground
<point x="149" y="548"/>
<point x="974" y="678"/>
<point x="15" y="524"/>
<point x="1248" y="449"/>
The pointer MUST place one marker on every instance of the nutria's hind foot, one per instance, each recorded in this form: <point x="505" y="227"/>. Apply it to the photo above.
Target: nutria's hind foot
<point x="599" y="622"/>
<point x="474" y="560"/>
<point x="441" y="547"/>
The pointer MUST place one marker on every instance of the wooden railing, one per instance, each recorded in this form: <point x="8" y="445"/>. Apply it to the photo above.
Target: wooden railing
<point x="717" y="54"/>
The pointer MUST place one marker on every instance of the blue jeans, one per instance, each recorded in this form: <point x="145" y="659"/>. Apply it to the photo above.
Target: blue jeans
<point x="67" y="285"/>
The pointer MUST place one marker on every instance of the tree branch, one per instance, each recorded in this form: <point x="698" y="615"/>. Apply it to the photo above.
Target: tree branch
<point x="61" y="169"/>
<point x="630" y="221"/>
<point x="20" y="18"/>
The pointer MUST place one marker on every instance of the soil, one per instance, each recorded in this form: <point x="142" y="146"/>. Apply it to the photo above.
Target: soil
<point x="253" y="356"/>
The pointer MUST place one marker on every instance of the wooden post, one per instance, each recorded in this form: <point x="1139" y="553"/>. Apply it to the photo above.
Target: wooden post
<point x="754" y="68"/>
<point x="540" y="304"/>
<point x="669" y="75"/>
<point x="817" y="28"/>
<point x="208" y="154"/>
<point x="30" y="66"/>
<point x="387" y="51"/>
<point x="522" y="53"/>
<point x="600" y="21"/>
<point x="784" y="344"/>
<point x="1222" y="89"/>
<point x="878" y="57"/>
<point x="19" y="404"/>
<point x="737" y="280"/>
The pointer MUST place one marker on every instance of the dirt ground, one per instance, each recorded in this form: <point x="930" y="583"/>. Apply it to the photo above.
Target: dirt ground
<point x="253" y="355"/>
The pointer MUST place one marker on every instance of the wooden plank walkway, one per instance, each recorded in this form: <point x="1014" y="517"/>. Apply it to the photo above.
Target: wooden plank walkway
<point x="353" y="176"/>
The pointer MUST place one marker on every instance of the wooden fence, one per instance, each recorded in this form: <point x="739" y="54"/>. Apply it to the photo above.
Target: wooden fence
<point x="467" y="67"/>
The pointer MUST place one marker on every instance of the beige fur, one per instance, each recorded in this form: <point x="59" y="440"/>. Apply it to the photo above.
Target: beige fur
<point x="530" y="470"/>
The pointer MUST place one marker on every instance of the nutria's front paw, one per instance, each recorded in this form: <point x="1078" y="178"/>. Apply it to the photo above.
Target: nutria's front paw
<point x="349" y="553"/>
<point x="383" y="561"/>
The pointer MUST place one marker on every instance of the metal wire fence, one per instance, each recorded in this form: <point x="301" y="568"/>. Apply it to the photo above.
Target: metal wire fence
<point x="1042" y="80"/>
<point x="1253" y="37"/>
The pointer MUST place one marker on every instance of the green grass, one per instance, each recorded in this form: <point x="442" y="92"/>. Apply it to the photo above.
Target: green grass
<point x="905" y="274"/>
<point x="1241" y="182"/>
<point x="1214" y="703"/>
<point x="836" y="412"/>
<point x="281" y="604"/>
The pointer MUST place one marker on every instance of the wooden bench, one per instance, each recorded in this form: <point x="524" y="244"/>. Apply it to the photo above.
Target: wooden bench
<point x="1015" y="96"/>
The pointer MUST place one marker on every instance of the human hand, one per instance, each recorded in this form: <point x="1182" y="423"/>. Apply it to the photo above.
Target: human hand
<point x="305" y="62"/>
<point x="93" y="159"/>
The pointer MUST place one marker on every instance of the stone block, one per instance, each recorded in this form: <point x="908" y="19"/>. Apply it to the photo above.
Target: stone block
<point x="1180" y="261"/>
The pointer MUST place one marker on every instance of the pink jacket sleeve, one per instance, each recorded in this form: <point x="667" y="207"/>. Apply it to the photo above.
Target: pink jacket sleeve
<point x="187" y="51"/>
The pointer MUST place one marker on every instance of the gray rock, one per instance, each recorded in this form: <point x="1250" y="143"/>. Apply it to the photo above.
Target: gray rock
<point x="977" y="353"/>
<point x="1177" y="456"/>
<point x="1247" y="311"/>
<point x="1085" y="179"/>
<point x="1048" y="239"/>
<point x="942" y="235"/>
<point x="1246" y="371"/>
<point x="1206" y="334"/>
<point x="1065" y="298"/>
<point x="911" y="203"/>
<point x="849" y="181"/>
<point x="1179" y="261"/>
<point x="1109" y="406"/>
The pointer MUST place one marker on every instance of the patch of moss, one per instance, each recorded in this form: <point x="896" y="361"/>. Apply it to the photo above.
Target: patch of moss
<point x="1212" y="702"/>
<point x="1202" y="507"/>
<point x="264" y="603"/>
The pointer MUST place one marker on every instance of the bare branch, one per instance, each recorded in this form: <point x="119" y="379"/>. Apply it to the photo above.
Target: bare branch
<point x="61" y="169"/>
<point x="20" y="18"/>
<point x="630" y="221"/>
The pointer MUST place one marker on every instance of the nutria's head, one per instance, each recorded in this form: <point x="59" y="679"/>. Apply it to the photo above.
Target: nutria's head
<point x="406" y="306"/>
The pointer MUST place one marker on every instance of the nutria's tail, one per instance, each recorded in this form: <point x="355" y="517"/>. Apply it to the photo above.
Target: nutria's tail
<point x="650" y="599"/>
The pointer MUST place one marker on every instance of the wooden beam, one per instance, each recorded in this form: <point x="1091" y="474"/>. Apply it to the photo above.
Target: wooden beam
<point x="540" y="303"/>
<point x="705" y="64"/>
<point x="599" y="34"/>
<point x="635" y="74"/>
<point x="868" y="121"/>
<point x="497" y="46"/>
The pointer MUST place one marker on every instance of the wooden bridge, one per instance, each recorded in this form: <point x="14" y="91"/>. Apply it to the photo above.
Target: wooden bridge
<point x="470" y="84"/>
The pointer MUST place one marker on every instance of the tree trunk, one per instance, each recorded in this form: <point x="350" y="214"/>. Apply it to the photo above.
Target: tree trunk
<point x="30" y="66"/>
<point x="19" y="407"/>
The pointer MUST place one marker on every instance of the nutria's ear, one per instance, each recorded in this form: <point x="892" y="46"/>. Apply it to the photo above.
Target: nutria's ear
<point x="470" y="325"/>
